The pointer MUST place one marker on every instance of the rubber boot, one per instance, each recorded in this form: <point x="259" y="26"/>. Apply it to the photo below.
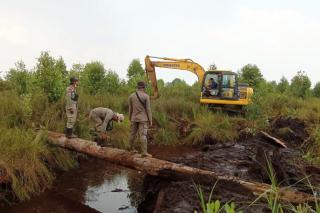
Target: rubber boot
<point x="144" y="147"/>
<point x="72" y="133"/>
<point x="69" y="133"/>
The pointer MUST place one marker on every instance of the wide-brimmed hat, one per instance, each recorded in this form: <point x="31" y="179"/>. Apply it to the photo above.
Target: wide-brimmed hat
<point x="141" y="85"/>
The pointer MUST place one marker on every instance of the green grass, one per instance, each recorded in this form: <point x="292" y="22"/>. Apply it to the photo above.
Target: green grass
<point x="213" y="126"/>
<point x="29" y="161"/>
<point x="272" y="196"/>
<point x="21" y="115"/>
<point x="211" y="206"/>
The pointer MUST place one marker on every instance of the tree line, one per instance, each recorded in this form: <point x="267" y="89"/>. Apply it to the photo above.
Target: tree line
<point x="50" y="75"/>
<point x="299" y="86"/>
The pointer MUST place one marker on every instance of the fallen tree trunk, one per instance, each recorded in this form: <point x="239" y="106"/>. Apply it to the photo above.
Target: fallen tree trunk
<point x="171" y="170"/>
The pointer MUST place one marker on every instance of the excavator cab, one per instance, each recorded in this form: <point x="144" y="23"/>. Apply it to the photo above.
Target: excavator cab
<point x="220" y="85"/>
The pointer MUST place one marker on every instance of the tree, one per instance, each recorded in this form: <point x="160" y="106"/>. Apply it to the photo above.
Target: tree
<point x="251" y="74"/>
<point x="49" y="76"/>
<point x="316" y="90"/>
<point x="76" y="70"/>
<point x="61" y="67"/>
<point x="19" y="77"/>
<point x="178" y="81"/>
<point x="212" y="66"/>
<point x="271" y="86"/>
<point x="135" y="73"/>
<point x="112" y="82"/>
<point x="135" y="69"/>
<point x="160" y="83"/>
<point x="93" y="77"/>
<point x="283" y="85"/>
<point x="300" y="84"/>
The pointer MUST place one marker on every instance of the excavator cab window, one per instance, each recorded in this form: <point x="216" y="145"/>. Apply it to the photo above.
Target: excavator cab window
<point x="220" y="85"/>
<point x="211" y="85"/>
<point x="228" y="86"/>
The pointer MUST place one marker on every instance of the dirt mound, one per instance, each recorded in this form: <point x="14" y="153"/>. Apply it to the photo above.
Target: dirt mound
<point x="291" y="130"/>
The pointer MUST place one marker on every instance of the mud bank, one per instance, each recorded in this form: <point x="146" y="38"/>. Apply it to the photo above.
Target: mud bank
<point x="247" y="159"/>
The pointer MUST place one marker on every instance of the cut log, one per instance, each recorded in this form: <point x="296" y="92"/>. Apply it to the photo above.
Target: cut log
<point x="275" y="140"/>
<point x="170" y="170"/>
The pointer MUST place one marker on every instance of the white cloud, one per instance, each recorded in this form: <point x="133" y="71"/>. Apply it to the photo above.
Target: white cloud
<point x="279" y="39"/>
<point x="12" y="29"/>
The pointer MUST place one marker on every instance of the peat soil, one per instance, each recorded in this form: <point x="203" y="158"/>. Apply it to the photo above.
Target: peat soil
<point x="247" y="159"/>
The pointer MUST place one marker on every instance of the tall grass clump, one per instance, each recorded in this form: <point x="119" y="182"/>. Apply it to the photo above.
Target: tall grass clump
<point x="212" y="126"/>
<point x="28" y="161"/>
<point x="313" y="149"/>
<point x="256" y="112"/>
<point x="166" y="136"/>
<point x="175" y="107"/>
<point x="13" y="112"/>
<point x="119" y="136"/>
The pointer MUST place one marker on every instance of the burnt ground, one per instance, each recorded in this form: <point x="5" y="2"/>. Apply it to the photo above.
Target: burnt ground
<point x="247" y="159"/>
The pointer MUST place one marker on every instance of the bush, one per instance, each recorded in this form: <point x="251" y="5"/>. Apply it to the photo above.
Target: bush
<point x="316" y="90"/>
<point x="19" y="78"/>
<point x="135" y="69"/>
<point x="50" y="76"/>
<point x="251" y="74"/>
<point x="93" y="77"/>
<point x="213" y="127"/>
<point x="12" y="111"/>
<point x="283" y="85"/>
<point x="300" y="85"/>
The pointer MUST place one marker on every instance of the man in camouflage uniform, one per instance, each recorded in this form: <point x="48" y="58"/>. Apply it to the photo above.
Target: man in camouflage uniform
<point x="102" y="119"/>
<point x="140" y="117"/>
<point x="71" y="106"/>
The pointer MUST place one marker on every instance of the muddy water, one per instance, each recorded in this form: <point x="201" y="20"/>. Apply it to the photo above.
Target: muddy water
<point x="96" y="186"/>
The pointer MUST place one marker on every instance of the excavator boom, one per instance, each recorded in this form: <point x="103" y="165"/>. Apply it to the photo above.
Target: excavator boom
<point x="170" y="63"/>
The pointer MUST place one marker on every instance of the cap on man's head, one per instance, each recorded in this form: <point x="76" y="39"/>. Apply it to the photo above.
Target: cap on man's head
<point x="73" y="79"/>
<point x="141" y="85"/>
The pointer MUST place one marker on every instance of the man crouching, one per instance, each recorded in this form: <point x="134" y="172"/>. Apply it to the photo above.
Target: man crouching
<point x="102" y="119"/>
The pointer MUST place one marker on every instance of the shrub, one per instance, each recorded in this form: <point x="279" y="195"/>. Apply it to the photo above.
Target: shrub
<point x="50" y="76"/>
<point x="212" y="126"/>
<point x="251" y="74"/>
<point x="316" y="90"/>
<point x="93" y="77"/>
<point x="300" y="85"/>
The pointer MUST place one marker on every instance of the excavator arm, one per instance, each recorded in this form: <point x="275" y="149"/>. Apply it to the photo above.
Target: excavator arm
<point x="170" y="63"/>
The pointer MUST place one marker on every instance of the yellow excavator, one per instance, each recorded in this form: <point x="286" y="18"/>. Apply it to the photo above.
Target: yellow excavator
<point x="219" y="88"/>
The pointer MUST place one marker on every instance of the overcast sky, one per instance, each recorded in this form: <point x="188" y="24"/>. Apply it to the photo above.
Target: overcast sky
<point x="280" y="37"/>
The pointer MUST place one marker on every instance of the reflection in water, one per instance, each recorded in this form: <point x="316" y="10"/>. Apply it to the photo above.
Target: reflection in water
<point x="112" y="195"/>
<point x="88" y="189"/>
